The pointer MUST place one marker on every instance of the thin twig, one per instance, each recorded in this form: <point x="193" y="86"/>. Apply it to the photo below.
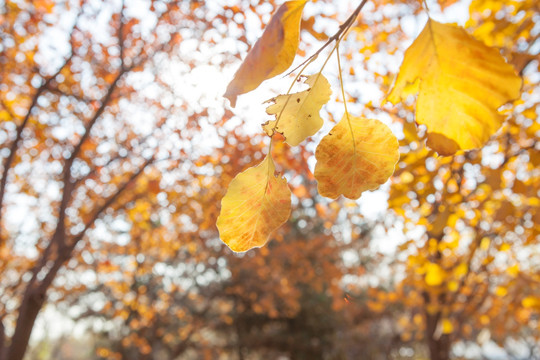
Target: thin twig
<point x="121" y="35"/>
<point x="68" y="249"/>
<point x="337" y="36"/>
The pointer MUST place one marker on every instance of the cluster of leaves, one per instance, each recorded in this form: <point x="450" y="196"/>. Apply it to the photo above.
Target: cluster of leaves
<point x="154" y="269"/>
<point x="474" y="266"/>
<point x="83" y="117"/>
<point x="459" y="111"/>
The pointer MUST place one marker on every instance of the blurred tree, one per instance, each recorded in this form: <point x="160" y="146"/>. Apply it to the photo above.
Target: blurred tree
<point x="89" y="114"/>
<point x="86" y="109"/>
<point x="175" y="290"/>
<point x="471" y="220"/>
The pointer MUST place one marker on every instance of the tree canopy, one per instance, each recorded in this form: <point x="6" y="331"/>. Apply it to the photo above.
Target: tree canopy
<point x="138" y="202"/>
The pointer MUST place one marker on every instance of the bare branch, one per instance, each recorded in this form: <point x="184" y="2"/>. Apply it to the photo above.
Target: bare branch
<point x="121" y="36"/>
<point x="66" y="249"/>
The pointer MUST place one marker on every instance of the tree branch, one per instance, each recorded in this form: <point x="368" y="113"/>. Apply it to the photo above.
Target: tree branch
<point x="2" y="338"/>
<point x="66" y="250"/>
<point x="343" y="28"/>
<point x="15" y="144"/>
<point x="121" y="36"/>
<point x="113" y="198"/>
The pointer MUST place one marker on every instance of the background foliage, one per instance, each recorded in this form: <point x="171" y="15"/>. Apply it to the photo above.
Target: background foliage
<point x="117" y="150"/>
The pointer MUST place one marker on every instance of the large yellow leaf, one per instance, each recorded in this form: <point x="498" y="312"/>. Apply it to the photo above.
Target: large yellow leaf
<point x="460" y="83"/>
<point x="354" y="158"/>
<point x="272" y="54"/>
<point x="299" y="113"/>
<point x="257" y="203"/>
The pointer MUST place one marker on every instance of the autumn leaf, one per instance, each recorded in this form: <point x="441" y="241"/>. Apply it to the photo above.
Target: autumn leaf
<point x="461" y="270"/>
<point x="446" y="326"/>
<point x="257" y="203"/>
<point x="435" y="275"/>
<point x="354" y="157"/>
<point x="460" y="84"/>
<point x="272" y="54"/>
<point x="298" y="113"/>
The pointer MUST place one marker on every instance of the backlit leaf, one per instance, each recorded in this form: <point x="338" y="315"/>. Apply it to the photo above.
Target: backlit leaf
<point x="501" y="291"/>
<point x="461" y="270"/>
<point x="257" y="203"/>
<point x="530" y="301"/>
<point x="446" y="326"/>
<point x="460" y="83"/>
<point x="354" y="158"/>
<point x="434" y="274"/>
<point x="272" y="54"/>
<point x="299" y="113"/>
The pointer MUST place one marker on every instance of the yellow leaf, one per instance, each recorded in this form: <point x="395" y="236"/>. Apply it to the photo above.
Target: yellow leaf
<point x="406" y="177"/>
<point x="460" y="82"/>
<point x="504" y="247"/>
<point x="434" y="274"/>
<point x="461" y="270"/>
<point x="4" y="116"/>
<point x="298" y="113"/>
<point x="484" y="243"/>
<point x="453" y="285"/>
<point x="530" y="301"/>
<point x="484" y="319"/>
<point x="513" y="270"/>
<point x="257" y="203"/>
<point x="446" y="326"/>
<point x="355" y="157"/>
<point x="272" y="54"/>
<point x="501" y="291"/>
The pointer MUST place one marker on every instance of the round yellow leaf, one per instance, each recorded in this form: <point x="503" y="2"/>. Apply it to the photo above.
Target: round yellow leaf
<point x="434" y="274"/>
<point x="357" y="155"/>
<point x="447" y="327"/>
<point x="256" y="204"/>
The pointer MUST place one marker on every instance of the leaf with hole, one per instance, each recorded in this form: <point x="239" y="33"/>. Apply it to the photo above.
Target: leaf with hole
<point x="297" y="115"/>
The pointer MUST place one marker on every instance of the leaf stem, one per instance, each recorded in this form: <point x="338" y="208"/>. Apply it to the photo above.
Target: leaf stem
<point x="344" y="97"/>
<point x="338" y="36"/>
<point x="341" y="81"/>
<point x="289" y="91"/>
<point x="343" y="28"/>
<point x="268" y="172"/>
<point x="426" y="6"/>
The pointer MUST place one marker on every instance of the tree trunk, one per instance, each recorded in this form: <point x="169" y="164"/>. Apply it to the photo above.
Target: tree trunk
<point x="2" y="339"/>
<point x="32" y="303"/>
<point x="33" y="300"/>
<point x="439" y="344"/>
